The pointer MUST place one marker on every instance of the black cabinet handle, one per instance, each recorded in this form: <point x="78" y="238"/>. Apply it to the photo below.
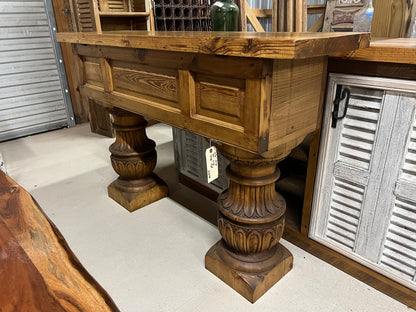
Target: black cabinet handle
<point x="341" y="94"/>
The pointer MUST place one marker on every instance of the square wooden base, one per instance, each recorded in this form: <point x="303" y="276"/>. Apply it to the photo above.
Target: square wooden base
<point x="250" y="286"/>
<point x="134" y="201"/>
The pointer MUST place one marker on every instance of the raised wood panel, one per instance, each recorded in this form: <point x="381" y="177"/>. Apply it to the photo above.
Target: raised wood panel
<point x="145" y="81"/>
<point x="221" y="99"/>
<point x="295" y="113"/>
<point x="100" y="120"/>
<point x="93" y="74"/>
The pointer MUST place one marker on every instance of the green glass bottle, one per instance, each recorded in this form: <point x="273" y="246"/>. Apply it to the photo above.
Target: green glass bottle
<point x="224" y="16"/>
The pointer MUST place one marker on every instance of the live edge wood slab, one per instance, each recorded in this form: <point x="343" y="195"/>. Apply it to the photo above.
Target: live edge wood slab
<point x="257" y="94"/>
<point x="38" y="271"/>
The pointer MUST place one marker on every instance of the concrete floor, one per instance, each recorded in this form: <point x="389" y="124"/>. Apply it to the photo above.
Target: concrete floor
<point x="153" y="259"/>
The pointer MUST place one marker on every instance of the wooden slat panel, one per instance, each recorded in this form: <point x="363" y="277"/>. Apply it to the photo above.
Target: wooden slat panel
<point x="359" y="130"/>
<point x="346" y="241"/>
<point x="409" y="167"/>
<point x="399" y="253"/>
<point x="405" y="228"/>
<point x="85" y="15"/>
<point x="349" y="173"/>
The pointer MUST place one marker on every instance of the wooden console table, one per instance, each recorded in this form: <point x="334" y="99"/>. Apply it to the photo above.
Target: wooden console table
<point x="257" y="94"/>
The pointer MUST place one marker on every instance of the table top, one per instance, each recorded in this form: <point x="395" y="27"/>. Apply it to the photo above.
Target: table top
<point x="242" y="44"/>
<point x="387" y="50"/>
<point x="30" y="246"/>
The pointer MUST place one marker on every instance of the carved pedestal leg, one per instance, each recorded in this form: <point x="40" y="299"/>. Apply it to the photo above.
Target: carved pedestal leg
<point x="133" y="157"/>
<point x="251" y="220"/>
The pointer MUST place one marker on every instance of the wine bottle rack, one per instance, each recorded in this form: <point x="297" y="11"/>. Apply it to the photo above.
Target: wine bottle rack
<point x="182" y="15"/>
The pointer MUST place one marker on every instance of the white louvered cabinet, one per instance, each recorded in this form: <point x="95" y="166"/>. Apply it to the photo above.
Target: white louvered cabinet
<point x="365" y="191"/>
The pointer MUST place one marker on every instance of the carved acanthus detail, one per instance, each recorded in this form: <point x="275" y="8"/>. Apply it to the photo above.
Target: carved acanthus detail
<point x="131" y="168"/>
<point x="252" y="201"/>
<point x="250" y="238"/>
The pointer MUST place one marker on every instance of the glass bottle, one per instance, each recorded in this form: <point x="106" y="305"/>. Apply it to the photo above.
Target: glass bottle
<point x="364" y="18"/>
<point x="224" y="16"/>
<point x="413" y="35"/>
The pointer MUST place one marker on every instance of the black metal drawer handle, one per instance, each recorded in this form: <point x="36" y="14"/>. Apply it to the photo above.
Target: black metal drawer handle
<point x="340" y="96"/>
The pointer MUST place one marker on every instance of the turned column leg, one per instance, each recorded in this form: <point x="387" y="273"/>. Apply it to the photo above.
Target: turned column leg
<point x="133" y="157"/>
<point x="251" y="220"/>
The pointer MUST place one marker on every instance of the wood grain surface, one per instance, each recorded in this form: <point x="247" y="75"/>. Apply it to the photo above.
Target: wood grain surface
<point x="398" y="50"/>
<point x="245" y="44"/>
<point x="38" y="271"/>
<point x="393" y="18"/>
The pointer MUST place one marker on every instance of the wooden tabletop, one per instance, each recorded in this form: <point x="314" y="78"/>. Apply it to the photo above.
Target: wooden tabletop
<point x="38" y="271"/>
<point x="397" y="50"/>
<point x="245" y="44"/>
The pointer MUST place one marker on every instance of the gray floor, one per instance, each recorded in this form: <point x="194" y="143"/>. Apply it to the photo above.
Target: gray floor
<point x="153" y="259"/>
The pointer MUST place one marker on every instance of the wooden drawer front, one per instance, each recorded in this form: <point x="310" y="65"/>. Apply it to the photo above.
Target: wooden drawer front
<point x="220" y="99"/>
<point x="157" y="84"/>
<point x="224" y="98"/>
<point x="92" y="71"/>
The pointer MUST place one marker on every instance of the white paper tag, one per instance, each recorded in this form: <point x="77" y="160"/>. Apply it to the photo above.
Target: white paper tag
<point x="211" y="157"/>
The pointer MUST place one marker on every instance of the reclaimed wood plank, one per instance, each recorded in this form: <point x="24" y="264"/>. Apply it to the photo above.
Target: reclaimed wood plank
<point x="393" y="19"/>
<point x="243" y="44"/>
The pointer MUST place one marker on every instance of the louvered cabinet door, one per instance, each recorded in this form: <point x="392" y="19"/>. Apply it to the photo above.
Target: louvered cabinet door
<point x="365" y="191"/>
<point x="189" y="150"/>
<point x="84" y="15"/>
<point x="114" y="5"/>
<point x="398" y="253"/>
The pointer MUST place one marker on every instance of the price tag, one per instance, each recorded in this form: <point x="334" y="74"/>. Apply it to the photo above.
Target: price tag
<point x="211" y="157"/>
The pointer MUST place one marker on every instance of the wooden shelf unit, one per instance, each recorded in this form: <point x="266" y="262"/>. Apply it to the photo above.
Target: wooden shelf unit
<point x="125" y="14"/>
<point x="110" y="15"/>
